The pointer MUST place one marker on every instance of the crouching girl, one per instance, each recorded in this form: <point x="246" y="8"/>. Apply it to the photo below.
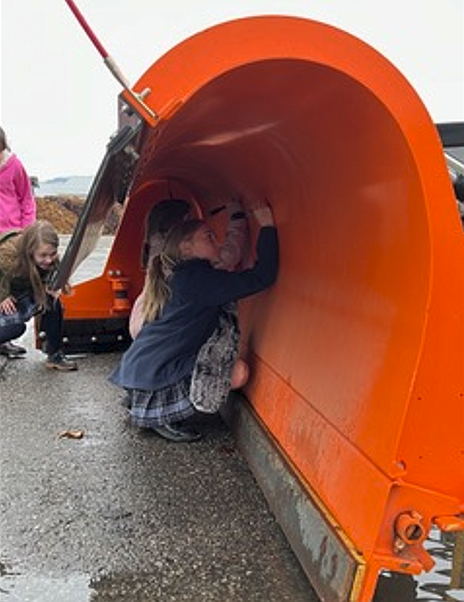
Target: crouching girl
<point x="184" y="300"/>
<point x="28" y="260"/>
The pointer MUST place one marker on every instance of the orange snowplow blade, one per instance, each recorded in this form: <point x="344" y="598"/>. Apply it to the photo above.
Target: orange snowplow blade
<point x="357" y="353"/>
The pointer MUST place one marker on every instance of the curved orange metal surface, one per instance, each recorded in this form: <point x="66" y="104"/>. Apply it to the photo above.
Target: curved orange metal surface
<point x="357" y="353"/>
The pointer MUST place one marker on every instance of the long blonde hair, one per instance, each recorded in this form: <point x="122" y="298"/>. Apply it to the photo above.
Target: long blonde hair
<point x="156" y="290"/>
<point x="34" y="236"/>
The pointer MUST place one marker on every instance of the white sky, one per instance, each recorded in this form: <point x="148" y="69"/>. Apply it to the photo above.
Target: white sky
<point x="58" y="100"/>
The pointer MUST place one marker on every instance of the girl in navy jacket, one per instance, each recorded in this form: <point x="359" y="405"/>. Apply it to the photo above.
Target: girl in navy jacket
<point x="182" y="312"/>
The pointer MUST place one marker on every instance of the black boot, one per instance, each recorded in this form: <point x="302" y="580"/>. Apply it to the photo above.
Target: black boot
<point x="11" y="350"/>
<point x="177" y="432"/>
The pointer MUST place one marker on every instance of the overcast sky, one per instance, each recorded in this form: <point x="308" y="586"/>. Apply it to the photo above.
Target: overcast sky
<point x="58" y="100"/>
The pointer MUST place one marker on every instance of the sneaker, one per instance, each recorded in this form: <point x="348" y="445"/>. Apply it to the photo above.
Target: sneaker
<point x="126" y="401"/>
<point x="11" y="350"/>
<point x="177" y="433"/>
<point x="58" y="361"/>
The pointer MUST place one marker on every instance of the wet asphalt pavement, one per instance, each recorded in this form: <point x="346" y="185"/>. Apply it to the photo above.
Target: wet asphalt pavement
<point x="122" y="514"/>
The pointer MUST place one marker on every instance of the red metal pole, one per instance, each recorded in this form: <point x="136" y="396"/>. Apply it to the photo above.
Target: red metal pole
<point x="80" y="17"/>
<point x="109" y="62"/>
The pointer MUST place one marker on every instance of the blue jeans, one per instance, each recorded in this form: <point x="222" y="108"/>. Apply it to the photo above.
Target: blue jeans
<point x="50" y="322"/>
<point x="9" y="332"/>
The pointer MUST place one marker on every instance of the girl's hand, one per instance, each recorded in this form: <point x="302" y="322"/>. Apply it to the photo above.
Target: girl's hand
<point x="263" y="215"/>
<point x="54" y="294"/>
<point x="8" y="306"/>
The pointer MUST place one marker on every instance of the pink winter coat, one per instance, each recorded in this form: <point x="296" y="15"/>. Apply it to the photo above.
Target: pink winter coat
<point x="17" y="203"/>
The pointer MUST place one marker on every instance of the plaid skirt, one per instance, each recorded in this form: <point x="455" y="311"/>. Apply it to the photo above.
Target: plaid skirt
<point x="170" y="404"/>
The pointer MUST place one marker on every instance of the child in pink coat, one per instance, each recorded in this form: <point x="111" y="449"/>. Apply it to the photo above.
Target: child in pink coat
<point x="17" y="203"/>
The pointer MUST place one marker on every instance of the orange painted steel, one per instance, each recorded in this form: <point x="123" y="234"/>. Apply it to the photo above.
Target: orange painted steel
<point x="357" y="353"/>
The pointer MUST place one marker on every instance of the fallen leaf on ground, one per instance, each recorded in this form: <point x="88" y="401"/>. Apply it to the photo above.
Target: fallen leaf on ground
<point x="71" y="434"/>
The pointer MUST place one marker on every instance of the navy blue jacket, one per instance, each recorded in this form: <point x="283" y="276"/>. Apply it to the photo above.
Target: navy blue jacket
<point x="166" y="349"/>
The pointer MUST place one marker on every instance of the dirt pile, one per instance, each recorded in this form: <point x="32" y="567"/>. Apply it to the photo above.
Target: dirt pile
<point x="64" y="211"/>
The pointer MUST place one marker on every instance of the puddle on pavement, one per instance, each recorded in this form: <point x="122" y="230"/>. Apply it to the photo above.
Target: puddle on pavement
<point x="444" y="583"/>
<point x="36" y="588"/>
